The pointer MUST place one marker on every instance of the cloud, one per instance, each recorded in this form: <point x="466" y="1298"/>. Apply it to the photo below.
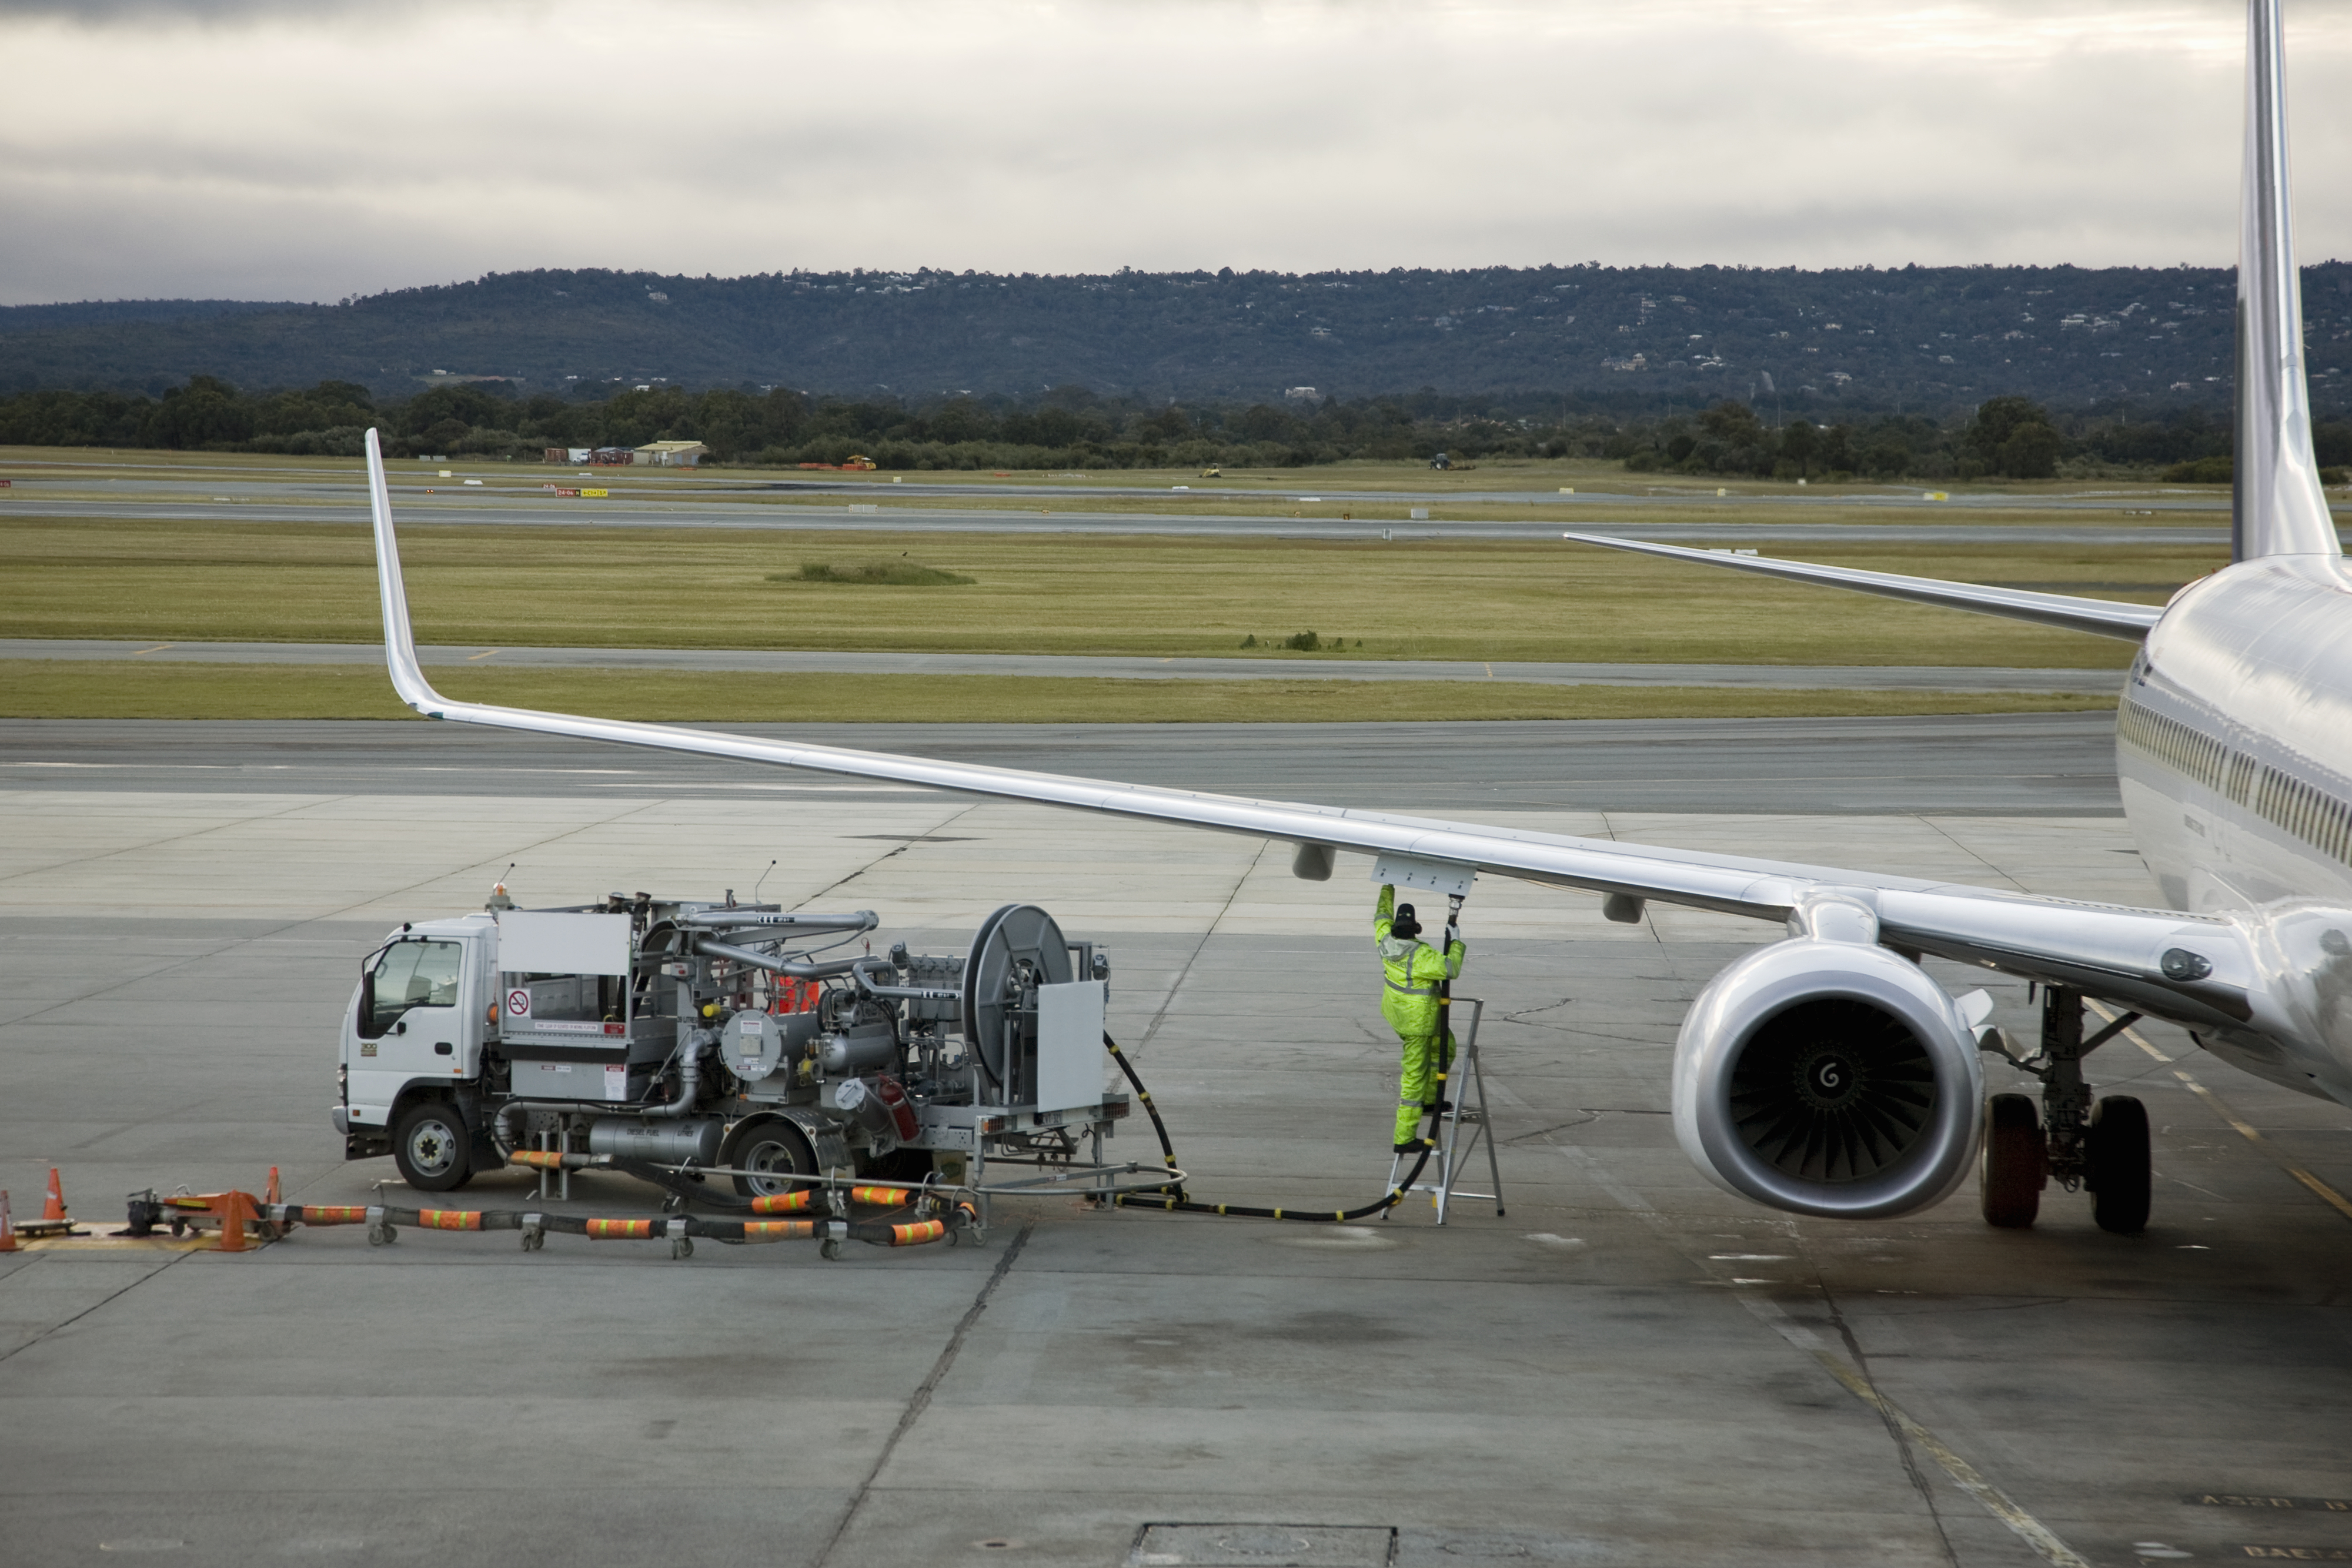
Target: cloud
<point x="260" y="150"/>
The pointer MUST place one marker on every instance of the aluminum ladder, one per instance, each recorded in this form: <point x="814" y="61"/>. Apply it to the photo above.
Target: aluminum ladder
<point x="1452" y="1151"/>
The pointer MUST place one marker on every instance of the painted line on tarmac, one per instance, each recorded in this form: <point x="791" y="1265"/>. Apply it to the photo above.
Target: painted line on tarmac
<point x="921" y="1400"/>
<point x="2245" y="1128"/>
<point x="2045" y="1541"/>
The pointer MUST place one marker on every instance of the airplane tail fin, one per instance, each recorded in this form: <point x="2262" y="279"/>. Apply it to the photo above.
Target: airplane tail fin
<point x="2277" y="506"/>
<point x="399" y="645"/>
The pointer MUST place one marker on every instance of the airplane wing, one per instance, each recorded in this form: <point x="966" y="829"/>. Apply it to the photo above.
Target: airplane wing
<point x="2196" y="969"/>
<point x="2101" y="617"/>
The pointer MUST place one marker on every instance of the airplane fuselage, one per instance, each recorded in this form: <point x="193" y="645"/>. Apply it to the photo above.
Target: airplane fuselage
<point x="2234" y="750"/>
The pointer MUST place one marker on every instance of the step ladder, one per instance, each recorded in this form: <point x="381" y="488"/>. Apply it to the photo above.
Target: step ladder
<point x="1452" y="1151"/>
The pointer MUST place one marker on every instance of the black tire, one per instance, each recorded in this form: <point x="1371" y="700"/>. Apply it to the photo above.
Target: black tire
<point x="2015" y="1165"/>
<point x="2119" y="1165"/>
<point x="768" y="1143"/>
<point x="433" y="1148"/>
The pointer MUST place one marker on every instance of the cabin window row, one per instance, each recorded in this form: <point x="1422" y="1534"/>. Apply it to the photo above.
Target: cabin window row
<point x="2304" y="810"/>
<point x="2201" y="757"/>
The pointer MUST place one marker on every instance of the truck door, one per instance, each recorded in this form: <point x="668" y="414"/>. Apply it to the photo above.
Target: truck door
<point x="413" y="1022"/>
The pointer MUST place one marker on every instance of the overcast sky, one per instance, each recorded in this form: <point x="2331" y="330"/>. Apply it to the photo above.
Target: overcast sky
<point x="314" y="150"/>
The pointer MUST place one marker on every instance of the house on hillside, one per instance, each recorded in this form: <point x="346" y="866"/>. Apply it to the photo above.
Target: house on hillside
<point x="673" y="454"/>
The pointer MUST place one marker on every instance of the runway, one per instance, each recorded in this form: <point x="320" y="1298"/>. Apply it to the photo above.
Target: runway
<point x="525" y="509"/>
<point x="1338" y="486"/>
<point x="1628" y="1368"/>
<point x="783" y="660"/>
<point x="2046" y="765"/>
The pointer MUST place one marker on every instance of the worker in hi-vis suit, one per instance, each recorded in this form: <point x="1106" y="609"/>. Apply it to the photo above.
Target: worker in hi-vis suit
<point x="1413" y="971"/>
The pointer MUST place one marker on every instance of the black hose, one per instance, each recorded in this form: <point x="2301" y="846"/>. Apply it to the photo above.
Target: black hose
<point x="678" y="1182"/>
<point x="1174" y="1200"/>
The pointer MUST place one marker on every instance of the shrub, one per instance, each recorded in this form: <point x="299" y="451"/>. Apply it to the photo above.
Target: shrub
<point x="2201" y="471"/>
<point x="883" y="573"/>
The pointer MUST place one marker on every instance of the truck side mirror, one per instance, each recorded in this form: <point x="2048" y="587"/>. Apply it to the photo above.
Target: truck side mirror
<point x="367" y="1029"/>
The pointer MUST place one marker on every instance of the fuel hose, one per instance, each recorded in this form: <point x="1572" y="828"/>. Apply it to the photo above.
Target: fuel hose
<point x="1175" y="1199"/>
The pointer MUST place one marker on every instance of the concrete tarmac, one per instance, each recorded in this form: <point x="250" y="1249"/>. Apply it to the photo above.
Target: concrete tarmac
<point x="2058" y="764"/>
<point x="794" y="661"/>
<point x="1628" y="1367"/>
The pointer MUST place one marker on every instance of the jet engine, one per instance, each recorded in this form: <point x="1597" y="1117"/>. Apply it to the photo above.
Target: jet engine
<point x="1830" y="1077"/>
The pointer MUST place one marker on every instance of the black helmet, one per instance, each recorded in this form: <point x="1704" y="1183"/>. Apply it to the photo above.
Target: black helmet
<point x="1403" y="925"/>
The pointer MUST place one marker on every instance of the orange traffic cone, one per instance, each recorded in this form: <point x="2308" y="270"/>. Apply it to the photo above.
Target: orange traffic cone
<point x="53" y="1204"/>
<point x="8" y="1226"/>
<point x="234" y="1209"/>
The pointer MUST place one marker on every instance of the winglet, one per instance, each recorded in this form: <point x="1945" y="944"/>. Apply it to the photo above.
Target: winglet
<point x="399" y="645"/>
<point x="2277" y="506"/>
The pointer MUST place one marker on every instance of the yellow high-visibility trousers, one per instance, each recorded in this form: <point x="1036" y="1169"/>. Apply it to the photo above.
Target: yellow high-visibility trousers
<point x="1417" y="1083"/>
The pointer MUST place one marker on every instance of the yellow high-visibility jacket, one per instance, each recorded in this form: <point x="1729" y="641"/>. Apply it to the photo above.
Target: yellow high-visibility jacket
<point x="1411" y="970"/>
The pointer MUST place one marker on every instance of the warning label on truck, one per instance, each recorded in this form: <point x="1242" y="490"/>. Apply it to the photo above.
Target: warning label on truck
<point x="616" y="1081"/>
<point x="518" y="1003"/>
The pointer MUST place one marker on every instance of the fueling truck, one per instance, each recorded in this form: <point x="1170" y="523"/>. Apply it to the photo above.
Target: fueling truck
<point x="693" y="1042"/>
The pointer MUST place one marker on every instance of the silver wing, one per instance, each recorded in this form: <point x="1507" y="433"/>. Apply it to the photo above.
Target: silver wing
<point x="2101" y="617"/>
<point x="2110" y="952"/>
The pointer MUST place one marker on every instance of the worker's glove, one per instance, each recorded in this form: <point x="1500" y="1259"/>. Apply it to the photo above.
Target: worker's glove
<point x="1452" y="935"/>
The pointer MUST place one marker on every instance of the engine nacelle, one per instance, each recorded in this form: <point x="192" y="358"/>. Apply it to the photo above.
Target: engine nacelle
<point x="1829" y="1078"/>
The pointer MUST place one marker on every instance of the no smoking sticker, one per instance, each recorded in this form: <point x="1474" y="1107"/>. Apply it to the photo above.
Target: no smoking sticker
<point x="518" y="1003"/>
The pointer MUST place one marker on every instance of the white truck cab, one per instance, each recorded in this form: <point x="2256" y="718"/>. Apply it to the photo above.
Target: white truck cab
<point x="412" y="1036"/>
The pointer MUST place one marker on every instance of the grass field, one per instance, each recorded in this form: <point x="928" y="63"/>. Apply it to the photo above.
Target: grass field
<point x="46" y="688"/>
<point x="1151" y="596"/>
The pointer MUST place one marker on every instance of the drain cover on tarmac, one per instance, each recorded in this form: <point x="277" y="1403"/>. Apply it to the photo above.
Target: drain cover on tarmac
<point x="1263" y="1546"/>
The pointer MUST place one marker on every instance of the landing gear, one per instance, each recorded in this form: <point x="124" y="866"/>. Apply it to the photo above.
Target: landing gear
<point x="2117" y="1159"/>
<point x="2016" y="1163"/>
<point x="2100" y="1147"/>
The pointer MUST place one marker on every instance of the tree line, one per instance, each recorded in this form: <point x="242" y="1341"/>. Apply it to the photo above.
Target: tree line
<point x="2009" y="436"/>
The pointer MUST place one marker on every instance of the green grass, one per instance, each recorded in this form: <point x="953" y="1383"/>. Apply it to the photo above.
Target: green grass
<point x="61" y="688"/>
<point x="1150" y="595"/>
<point x="900" y="573"/>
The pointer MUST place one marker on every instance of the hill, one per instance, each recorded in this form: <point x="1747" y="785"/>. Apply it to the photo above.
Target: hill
<point x="1928" y="340"/>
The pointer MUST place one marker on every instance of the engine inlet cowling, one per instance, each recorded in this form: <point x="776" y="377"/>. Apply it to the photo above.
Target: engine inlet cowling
<point x="1828" y="1078"/>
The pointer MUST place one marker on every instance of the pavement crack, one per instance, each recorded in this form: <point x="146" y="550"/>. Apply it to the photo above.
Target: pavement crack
<point x="921" y="1401"/>
<point x="1177" y="985"/>
<point x="111" y="1295"/>
<point x="276" y="931"/>
<point x="887" y="854"/>
<point x="1894" y="1432"/>
<point x="306" y="803"/>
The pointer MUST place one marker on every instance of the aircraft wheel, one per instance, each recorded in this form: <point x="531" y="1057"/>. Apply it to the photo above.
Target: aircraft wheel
<point x="2015" y="1163"/>
<point x="2117" y="1147"/>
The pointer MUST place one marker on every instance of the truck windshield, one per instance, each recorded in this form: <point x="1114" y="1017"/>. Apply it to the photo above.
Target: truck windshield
<point x="411" y="975"/>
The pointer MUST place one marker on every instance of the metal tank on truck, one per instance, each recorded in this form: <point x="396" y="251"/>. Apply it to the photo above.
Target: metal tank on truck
<point x="681" y="1041"/>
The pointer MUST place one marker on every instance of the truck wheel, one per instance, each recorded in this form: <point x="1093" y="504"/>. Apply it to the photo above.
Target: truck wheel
<point x="2015" y="1163"/>
<point x="2119" y="1162"/>
<point x="768" y="1143"/>
<point x="430" y="1147"/>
